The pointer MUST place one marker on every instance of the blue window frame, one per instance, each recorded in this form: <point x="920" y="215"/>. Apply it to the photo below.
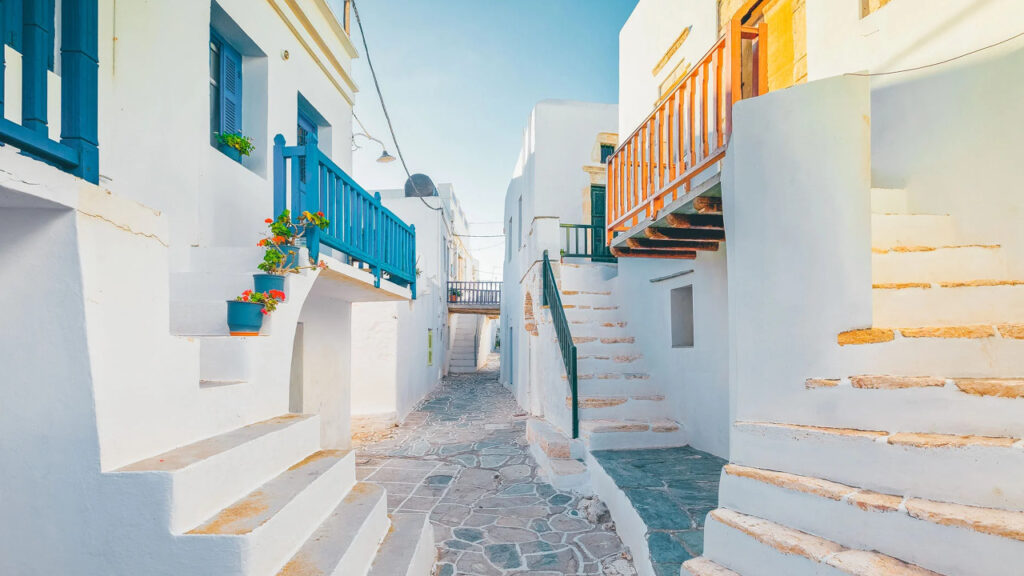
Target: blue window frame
<point x="306" y="127"/>
<point x="225" y="87"/>
<point x="606" y="151"/>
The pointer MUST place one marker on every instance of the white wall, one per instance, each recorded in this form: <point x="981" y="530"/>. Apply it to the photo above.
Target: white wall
<point x="557" y="143"/>
<point x="154" y="112"/>
<point x="391" y="371"/>
<point x="695" y="381"/>
<point x="644" y="39"/>
<point x="796" y="277"/>
<point x="902" y="34"/>
<point x="326" y="386"/>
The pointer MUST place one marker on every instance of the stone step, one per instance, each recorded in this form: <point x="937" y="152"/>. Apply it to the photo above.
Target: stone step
<point x="892" y="230"/>
<point x="264" y="528"/>
<point x="598" y="363"/>
<point x="210" y="474"/>
<point x="936" y="404"/>
<point x="937" y="264"/>
<point x="889" y="201"/>
<point x="586" y="275"/>
<point x="551" y="441"/>
<point x="215" y="286"/>
<point x="557" y="456"/>
<point x="631" y="434"/>
<point x="591" y="314"/>
<point x="980" y="302"/>
<point x="973" y="470"/>
<point x="867" y="520"/>
<point x="701" y="566"/>
<point x="751" y="545"/>
<point x="620" y="406"/>
<point x="347" y="541"/>
<point x="408" y="549"/>
<point x="200" y="318"/>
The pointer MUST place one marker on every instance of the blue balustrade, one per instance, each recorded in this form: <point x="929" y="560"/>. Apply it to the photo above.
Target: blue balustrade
<point x="360" y="225"/>
<point x="30" y="29"/>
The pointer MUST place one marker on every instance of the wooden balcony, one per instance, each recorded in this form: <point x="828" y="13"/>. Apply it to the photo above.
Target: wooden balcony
<point x="474" y="297"/>
<point x="664" y="197"/>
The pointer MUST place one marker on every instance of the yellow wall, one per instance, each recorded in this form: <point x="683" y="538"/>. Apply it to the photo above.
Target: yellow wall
<point x="787" y="42"/>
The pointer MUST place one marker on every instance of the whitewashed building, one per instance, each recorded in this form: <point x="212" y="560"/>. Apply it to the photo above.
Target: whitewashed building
<point x="403" y="349"/>
<point x="146" y="440"/>
<point x="819" y="274"/>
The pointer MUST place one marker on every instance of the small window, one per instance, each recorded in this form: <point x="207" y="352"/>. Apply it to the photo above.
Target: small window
<point x="430" y="346"/>
<point x="681" y="305"/>
<point x="606" y="151"/>
<point x="508" y="240"/>
<point x="519" y="237"/>
<point x="225" y="88"/>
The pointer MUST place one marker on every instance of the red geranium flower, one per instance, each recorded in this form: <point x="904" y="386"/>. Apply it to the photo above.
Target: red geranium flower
<point x="269" y="220"/>
<point x="264" y="311"/>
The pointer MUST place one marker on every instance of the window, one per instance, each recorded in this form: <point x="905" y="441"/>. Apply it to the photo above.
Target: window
<point x="508" y="240"/>
<point x="519" y="237"/>
<point x="681" y="304"/>
<point x="430" y="346"/>
<point x="606" y="151"/>
<point x="225" y="88"/>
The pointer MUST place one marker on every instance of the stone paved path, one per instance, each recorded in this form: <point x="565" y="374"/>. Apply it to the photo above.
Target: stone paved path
<point x="672" y="489"/>
<point x="463" y="458"/>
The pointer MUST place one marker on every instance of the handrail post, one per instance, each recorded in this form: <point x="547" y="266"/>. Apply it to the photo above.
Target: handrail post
<point x="79" y="92"/>
<point x="37" y="27"/>
<point x="412" y="257"/>
<point x="377" y="239"/>
<point x="280" y="176"/>
<point x="311" y="200"/>
<point x="544" y="280"/>
<point x="574" y="389"/>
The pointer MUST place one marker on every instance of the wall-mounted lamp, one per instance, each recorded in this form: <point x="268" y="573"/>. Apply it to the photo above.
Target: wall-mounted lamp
<point x="384" y="156"/>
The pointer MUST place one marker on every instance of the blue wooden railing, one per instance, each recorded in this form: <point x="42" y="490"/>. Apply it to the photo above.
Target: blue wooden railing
<point x="28" y="27"/>
<point x="360" y="226"/>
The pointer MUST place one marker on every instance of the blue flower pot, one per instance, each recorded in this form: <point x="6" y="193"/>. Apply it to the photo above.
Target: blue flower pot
<point x="291" y="256"/>
<point x="267" y="282"/>
<point x="244" y="318"/>
<point x="233" y="153"/>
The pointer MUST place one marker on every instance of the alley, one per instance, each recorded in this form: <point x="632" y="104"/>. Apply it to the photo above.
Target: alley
<point x="463" y="457"/>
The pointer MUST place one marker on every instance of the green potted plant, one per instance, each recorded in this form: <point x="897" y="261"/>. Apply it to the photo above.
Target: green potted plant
<point x="235" y="145"/>
<point x="281" y="254"/>
<point x="246" y="312"/>
<point x="454" y="294"/>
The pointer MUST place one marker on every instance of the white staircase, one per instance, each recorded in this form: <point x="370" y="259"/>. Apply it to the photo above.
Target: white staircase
<point x="463" y="359"/>
<point x="918" y="470"/>
<point x="620" y="407"/>
<point x="265" y="499"/>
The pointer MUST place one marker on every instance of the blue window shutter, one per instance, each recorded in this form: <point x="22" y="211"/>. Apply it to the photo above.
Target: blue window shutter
<point x="230" y="90"/>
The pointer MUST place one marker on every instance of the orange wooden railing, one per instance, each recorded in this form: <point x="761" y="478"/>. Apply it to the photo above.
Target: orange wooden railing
<point x="687" y="132"/>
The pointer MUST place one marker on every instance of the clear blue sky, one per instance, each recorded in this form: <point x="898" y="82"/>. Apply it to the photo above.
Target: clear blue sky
<point x="460" y="77"/>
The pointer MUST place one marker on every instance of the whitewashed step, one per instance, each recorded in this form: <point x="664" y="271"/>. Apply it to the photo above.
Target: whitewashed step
<point x="208" y="475"/>
<point x="622" y="406"/>
<point x="997" y="356"/>
<point x="889" y="201"/>
<point x="598" y="363"/>
<point x="200" y="318"/>
<point x="615" y="387"/>
<point x="264" y="528"/>
<point x="972" y="470"/>
<point x="462" y="369"/>
<point x="601" y="329"/>
<point x="701" y="566"/>
<point x="892" y="230"/>
<point x="754" y="546"/>
<point x="557" y="456"/>
<point x="408" y="549"/>
<point x="939" y="305"/>
<point x="632" y="434"/>
<point x="941" y="404"/>
<point x="974" y="540"/>
<point x="221" y="260"/>
<point x="601" y="314"/>
<point x="191" y="286"/>
<point x="941" y="264"/>
<point x="346" y="542"/>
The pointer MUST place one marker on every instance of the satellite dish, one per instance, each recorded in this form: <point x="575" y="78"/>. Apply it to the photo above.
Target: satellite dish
<point x="420" y="185"/>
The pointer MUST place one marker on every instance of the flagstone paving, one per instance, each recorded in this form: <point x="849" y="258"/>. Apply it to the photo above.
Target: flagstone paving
<point x="672" y="489"/>
<point x="463" y="457"/>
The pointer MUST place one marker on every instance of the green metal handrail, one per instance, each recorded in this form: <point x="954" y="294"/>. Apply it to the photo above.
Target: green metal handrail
<point x="585" y="241"/>
<point x="553" y="300"/>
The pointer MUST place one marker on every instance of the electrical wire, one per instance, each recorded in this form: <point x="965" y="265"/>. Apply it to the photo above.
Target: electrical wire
<point x="946" y="61"/>
<point x="387" y="116"/>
